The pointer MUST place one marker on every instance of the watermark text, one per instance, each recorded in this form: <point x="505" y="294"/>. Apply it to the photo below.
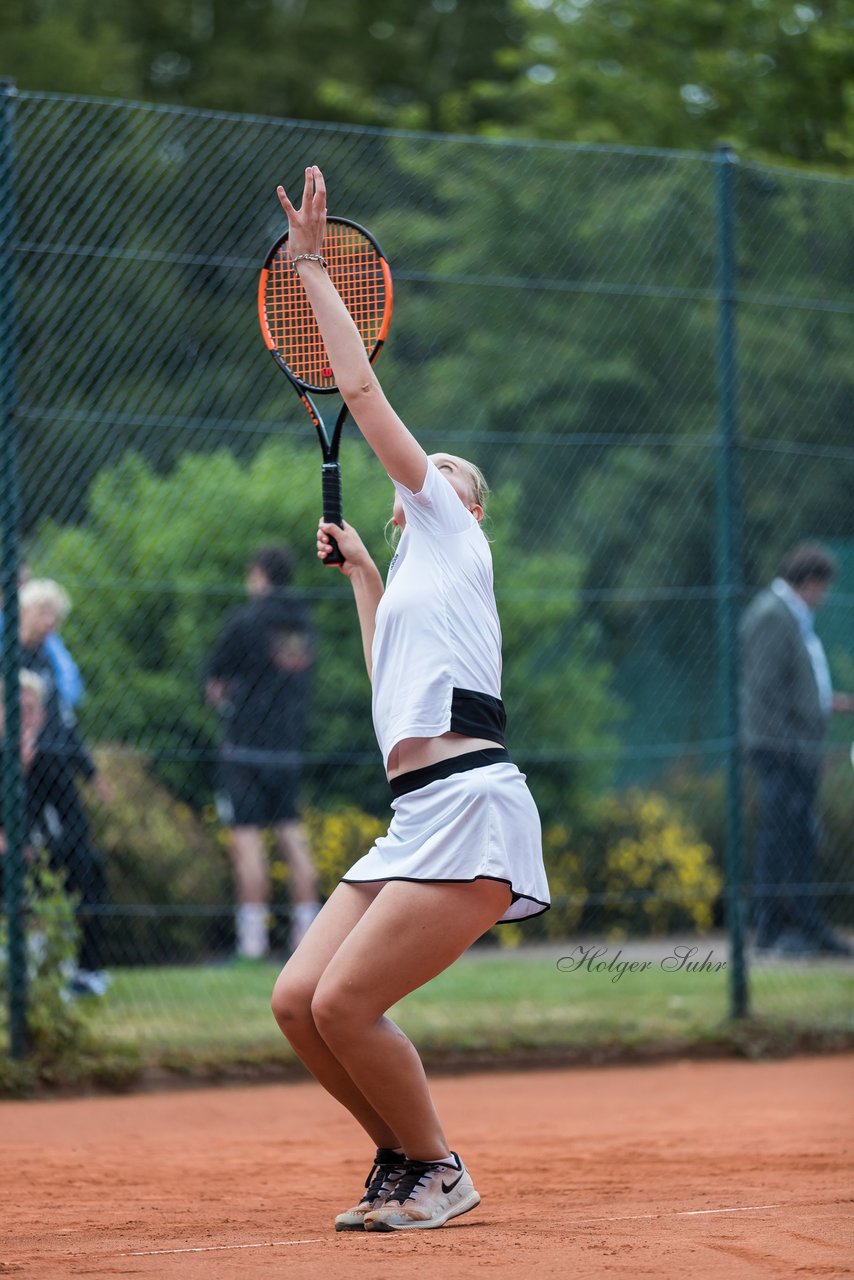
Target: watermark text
<point x="595" y="958"/>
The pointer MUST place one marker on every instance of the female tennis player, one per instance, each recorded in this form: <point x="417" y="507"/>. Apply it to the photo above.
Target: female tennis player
<point x="464" y="847"/>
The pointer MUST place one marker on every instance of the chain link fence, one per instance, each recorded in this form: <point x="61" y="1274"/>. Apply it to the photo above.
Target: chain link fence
<point x="655" y="436"/>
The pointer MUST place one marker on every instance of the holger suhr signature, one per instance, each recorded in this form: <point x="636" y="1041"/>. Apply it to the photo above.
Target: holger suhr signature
<point x="681" y="959"/>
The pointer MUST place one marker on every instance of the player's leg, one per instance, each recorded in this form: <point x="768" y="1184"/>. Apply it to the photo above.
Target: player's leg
<point x="411" y="933"/>
<point x="292" y="998"/>
<point x="360" y="957"/>
<point x="293" y="995"/>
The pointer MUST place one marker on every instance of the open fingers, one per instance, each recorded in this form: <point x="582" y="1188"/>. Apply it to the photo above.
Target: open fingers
<point x="313" y="194"/>
<point x="319" y="187"/>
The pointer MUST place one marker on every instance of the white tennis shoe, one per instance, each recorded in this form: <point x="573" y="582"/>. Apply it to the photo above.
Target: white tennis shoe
<point x="387" y="1169"/>
<point x="426" y="1195"/>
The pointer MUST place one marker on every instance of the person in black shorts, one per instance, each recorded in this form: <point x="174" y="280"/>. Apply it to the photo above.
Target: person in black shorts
<point x="258" y="677"/>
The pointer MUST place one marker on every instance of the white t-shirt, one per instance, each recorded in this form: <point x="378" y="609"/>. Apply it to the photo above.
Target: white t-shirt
<point x="437" y="628"/>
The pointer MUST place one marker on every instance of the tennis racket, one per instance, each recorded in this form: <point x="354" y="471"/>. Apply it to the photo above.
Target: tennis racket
<point x="361" y="274"/>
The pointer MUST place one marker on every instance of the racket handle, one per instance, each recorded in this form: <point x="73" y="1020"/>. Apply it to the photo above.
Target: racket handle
<point x="332" y="514"/>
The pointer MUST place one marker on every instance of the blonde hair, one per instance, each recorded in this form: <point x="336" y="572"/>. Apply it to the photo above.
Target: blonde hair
<point x="478" y="488"/>
<point x="45" y="591"/>
<point x="477" y="480"/>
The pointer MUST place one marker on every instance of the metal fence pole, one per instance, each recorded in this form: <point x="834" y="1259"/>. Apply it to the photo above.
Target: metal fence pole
<point x="729" y="572"/>
<point x="12" y="811"/>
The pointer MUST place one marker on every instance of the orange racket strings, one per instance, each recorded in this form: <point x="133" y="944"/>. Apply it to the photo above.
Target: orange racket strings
<point x="356" y="269"/>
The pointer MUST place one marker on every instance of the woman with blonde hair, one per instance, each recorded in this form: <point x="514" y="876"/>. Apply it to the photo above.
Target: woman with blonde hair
<point x="61" y="759"/>
<point x="463" y="851"/>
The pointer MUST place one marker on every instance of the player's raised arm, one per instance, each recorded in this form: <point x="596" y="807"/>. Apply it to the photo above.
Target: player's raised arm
<point x="392" y="442"/>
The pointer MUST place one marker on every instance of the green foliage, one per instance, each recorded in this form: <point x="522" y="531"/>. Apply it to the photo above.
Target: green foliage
<point x="770" y="76"/>
<point x="57" y="1026"/>
<point x="701" y="797"/>
<point x="178" y="545"/>
<point x="338" y="838"/>
<point x="160" y="855"/>
<point x="635" y="865"/>
<point x="65" y="1047"/>
<point x="407" y="62"/>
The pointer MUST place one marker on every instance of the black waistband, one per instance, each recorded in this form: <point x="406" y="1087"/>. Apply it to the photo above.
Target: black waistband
<point x="478" y="715"/>
<point x="417" y="778"/>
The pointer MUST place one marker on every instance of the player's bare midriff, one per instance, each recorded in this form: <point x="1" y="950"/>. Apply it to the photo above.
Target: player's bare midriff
<point x="418" y="753"/>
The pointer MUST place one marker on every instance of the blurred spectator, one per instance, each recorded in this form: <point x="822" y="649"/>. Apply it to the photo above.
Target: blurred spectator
<point x="60" y="759"/>
<point x="32" y="696"/>
<point x="257" y="676"/>
<point x="41" y="827"/>
<point x="787" y="700"/>
<point x="67" y="675"/>
<point x="32" y="699"/>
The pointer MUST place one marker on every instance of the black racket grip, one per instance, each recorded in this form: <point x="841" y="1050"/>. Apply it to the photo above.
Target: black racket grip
<point x="331" y="481"/>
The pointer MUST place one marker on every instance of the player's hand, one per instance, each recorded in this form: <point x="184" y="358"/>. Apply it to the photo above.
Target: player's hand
<point x="351" y="546"/>
<point x="307" y="224"/>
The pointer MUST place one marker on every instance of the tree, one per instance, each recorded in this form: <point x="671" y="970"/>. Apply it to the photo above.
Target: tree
<point x="771" y="76"/>
<point x="381" y="62"/>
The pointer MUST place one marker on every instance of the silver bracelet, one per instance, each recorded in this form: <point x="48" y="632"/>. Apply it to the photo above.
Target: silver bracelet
<point x="310" y="257"/>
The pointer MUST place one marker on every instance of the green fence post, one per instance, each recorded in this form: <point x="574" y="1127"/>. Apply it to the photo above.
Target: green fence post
<point x="12" y="811"/>
<point x="729" y="573"/>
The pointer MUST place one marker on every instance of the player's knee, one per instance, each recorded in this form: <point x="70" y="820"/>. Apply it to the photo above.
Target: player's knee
<point x="291" y="1005"/>
<point x="334" y="1012"/>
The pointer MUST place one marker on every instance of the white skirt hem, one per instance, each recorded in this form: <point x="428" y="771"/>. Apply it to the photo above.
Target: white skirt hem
<point x="480" y="824"/>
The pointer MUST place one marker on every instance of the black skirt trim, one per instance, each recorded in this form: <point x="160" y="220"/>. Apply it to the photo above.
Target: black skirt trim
<point x="415" y="779"/>
<point x="544" y="906"/>
<point x="478" y="715"/>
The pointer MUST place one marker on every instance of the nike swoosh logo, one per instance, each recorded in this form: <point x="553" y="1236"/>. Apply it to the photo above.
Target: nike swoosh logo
<point x="447" y="1188"/>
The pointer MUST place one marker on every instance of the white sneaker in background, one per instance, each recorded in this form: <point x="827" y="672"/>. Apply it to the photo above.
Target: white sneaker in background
<point x="89" y="982"/>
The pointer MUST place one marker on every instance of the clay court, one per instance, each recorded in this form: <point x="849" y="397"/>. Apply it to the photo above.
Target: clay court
<point x="704" y="1169"/>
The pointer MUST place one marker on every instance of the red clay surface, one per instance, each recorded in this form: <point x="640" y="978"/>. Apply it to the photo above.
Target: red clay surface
<point x="687" y="1169"/>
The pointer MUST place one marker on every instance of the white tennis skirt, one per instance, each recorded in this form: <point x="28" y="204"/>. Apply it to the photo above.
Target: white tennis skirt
<point x="480" y="822"/>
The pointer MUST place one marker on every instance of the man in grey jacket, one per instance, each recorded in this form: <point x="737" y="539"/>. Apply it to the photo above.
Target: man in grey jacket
<point x="787" y="699"/>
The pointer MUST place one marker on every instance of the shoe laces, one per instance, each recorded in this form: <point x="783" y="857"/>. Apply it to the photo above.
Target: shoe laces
<point x="381" y="1171"/>
<point x="413" y="1178"/>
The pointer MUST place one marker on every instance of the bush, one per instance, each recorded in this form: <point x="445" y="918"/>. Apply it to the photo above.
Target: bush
<point x="56" y="1025"/>
<point x="702" y="796"/>
<point x="165" y="866"/>
<point x="634" y="866"/>
<point x="338" y="839"/>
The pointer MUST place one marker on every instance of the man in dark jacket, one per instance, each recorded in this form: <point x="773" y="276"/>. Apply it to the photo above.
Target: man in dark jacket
<point x="257" y="677"/>
<point x="787" y="699"/>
